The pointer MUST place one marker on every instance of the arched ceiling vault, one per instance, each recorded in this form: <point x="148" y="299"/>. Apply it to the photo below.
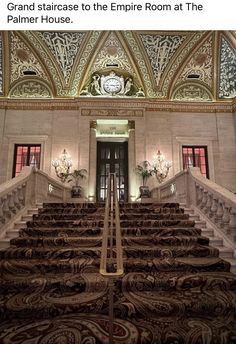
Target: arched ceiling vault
<point x="165" y="65"/>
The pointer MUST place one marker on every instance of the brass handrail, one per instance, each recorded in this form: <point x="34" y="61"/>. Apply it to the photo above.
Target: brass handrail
<point x="111" y="204"/>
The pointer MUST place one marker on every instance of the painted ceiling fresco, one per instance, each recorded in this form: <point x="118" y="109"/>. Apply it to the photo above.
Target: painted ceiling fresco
<point x="181" y="66"/>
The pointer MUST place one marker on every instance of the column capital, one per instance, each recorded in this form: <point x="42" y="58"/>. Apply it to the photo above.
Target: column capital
<point x="131" y="125"/>
<point x="93" y="124"/>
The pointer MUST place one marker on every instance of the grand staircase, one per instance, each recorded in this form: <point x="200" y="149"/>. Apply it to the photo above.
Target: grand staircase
<point x="175" y="289"/>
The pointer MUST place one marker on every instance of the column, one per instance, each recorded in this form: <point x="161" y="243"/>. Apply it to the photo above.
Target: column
<point x="92" y="162"/>
<point x="132" y="162"/>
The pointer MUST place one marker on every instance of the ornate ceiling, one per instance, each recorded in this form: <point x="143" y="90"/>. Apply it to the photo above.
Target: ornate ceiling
<point x="170" y="65"/>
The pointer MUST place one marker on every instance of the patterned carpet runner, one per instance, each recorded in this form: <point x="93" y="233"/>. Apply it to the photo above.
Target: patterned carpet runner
<point x="175" y="289"/>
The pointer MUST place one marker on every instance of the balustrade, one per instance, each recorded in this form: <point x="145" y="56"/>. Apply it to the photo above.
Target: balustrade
<point x="11" y="202"/>
<point x="24" y="191"/>
<point x="226" y="217"/>
<point x="213" y="209"/>
<point x="232" y="220"/>
<point x="215" y="202"/>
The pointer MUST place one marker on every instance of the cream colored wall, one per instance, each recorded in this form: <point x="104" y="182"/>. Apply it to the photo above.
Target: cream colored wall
<point x="166" y="131"/>
<point x="169" y="131"/>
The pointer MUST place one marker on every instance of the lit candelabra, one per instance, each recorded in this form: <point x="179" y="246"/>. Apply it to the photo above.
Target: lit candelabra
<point x="161" y="166"/>
<point x="62" y="165"/>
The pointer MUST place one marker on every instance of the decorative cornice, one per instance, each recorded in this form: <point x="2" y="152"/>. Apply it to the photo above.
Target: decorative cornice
<point x="139" y="105"/>
<point x="234" y="106"/>
<point x="112" y="112"/>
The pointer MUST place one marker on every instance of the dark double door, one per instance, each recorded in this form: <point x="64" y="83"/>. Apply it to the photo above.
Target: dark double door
<point x="112" y="157"/>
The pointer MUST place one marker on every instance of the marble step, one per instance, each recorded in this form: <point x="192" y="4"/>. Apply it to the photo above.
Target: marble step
<point x="208" y="232"/>
<point x="12" y="233"/>
<point x="225" y="252"/>
<point x="200" y="224"/>
<point x="216" y="241"/>
<point x="4" y="243"/>
<point x="20" y="224"/>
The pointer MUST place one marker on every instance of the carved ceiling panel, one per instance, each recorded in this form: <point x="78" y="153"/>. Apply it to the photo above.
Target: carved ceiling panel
<point x="112" y="55"/>
<point x="64" y="46"/>
<point x="200" y="65"/>
<point x="85" y="54"/>
<point x="227" y="87"/>
<point x="1" y="65"/>
<point x="140" y="62"/>
<point x="192" y="92"/>
<point x="113" y="61"/>
<point x="187" y="65"/>
<point x="30" y="89"/>
<point x="23" y="61"/>
<point x="160" y="49"/>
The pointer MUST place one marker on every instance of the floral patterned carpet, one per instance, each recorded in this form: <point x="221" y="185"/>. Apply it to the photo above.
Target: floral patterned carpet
<point x="175" y="289"/>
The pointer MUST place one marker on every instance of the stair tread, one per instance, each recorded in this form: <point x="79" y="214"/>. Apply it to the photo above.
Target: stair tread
<point x="170" y="272"/>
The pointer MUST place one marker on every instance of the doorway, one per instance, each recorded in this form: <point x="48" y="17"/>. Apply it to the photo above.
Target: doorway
<point x="112" y="157"/>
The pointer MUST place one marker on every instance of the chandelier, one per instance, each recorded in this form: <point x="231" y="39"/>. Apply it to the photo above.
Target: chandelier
<point x="161" y="166"/>
<point x="62" y="165"/>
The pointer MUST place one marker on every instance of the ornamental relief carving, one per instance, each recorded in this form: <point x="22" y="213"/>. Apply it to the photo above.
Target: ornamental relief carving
<point x="64" y="46"/>
<point x="30" y="89"/>
<point x="23" y="62"/>
<point x="200" y="66"/>
<point x="160" y="49"/>
<point x="112" y="113"/>
<point x="1" y="65"/>
<point x="112" y="55"/>
<point x="191" y="92"/>
<point x="112" y="84"/>
<point x="140" y="62"/>
<point x="62" y="90"/>
<point x="227" y="87"/>
<point x="176" y="64"/>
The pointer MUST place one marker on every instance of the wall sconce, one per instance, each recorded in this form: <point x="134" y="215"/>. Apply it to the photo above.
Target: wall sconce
<point x="161" y="166"/>
<point x="62" y="165"/>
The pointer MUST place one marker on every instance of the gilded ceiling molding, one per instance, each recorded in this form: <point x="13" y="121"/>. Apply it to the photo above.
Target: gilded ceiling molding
<point x="112" y="55"/>
<point x="192" y="92"/>
<point x="23" y="62"/>
<point x="64" y="47"/>
<point x="140" y="62"/>
<point x="177" y="61"/>
<point x="199" y="66"/>
<point x="1" y="64"/>
<point x="45" y="55"/>
<point x="146" y="105"/>
<point x="234" y="106"/>
<point x="160" y="49"/>
<point x="227" y="82"/>
<point x="33" y="89"/>
<point x="83" y="62"/>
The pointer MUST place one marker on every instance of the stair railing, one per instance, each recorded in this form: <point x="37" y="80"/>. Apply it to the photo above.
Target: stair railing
<point x="110" y="265"/>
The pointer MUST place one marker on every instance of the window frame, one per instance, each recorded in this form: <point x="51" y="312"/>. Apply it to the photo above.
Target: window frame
<point x="194" y="147"/>
<point x="28" y="145"/>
